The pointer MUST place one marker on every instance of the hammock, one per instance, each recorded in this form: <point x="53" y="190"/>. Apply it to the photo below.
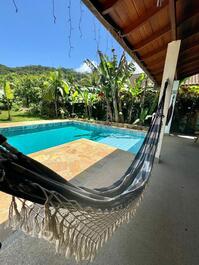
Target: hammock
<point x="77" y="220"/>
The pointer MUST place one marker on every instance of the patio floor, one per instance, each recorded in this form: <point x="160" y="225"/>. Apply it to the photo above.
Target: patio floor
<point x="164" y="230"/>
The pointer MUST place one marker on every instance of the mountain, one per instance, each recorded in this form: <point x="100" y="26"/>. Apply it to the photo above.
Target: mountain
<point x="35" y="69"/>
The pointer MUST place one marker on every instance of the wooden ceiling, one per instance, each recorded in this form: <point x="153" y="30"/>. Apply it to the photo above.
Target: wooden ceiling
<point x="144" y="30"/>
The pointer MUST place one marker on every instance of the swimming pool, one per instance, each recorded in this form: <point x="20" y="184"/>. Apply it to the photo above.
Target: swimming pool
<point x="32" y="138"/>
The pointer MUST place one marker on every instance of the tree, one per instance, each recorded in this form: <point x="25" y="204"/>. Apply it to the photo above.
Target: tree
<point x="8" y="96"/>
<point x="28" y="89"/>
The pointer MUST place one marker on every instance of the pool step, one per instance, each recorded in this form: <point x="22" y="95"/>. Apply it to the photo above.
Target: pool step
<point x="125" y="143"/>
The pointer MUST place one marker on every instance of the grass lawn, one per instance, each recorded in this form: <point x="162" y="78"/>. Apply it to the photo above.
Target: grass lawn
<point x="17" y="116"/>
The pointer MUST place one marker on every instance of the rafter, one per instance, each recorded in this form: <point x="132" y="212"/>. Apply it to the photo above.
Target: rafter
<point x="185" y="47"/>
<point x="157" y="67"/>
<point x="190" y="73"/>
<point x="164" y="47"/>
<point x="143" y="19"/>
<point x="108" y="6"/>
<point x="154" y="52"/>
<point x="189" y="65"/>
<point x="156" y="35"/>
<point x="159" y="71"/>
<point x="191" y="58"/>
<point x="156" y="60"/>
<point x="172" y="12"/>
<point x="184" y="33"/>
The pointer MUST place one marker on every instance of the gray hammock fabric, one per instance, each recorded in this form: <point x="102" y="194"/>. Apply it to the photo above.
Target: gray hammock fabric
<point x="77" y="220"/>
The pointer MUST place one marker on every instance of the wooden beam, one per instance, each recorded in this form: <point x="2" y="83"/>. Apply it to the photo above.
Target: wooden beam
<point x="156" y="35"/>
<point x="190" y="12"/>
<point x="184" y="48"/>
<point x="193" y="72"/>
<point x="143" y="19"/>
<point x="154" y="52"/>
<point x="108" y="6"/>
<point x="190" y="63"/>
<point x="189" y="66"/>
<point x="183" y="33"/>
<point x="188" y="47"/>
<point x="161" y="32"/>
<point x="156" y="60"/>
<point x="160" y="71"/>
<point x="185" y="60"/>
<point x="172" y="12"/>
<point x="188" y="70"/>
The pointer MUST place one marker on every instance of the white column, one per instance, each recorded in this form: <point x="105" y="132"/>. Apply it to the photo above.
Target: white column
<point x="168" y="73"/>
<point x="173" y="99"/>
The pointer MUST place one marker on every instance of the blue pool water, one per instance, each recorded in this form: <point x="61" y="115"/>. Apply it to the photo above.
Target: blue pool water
<point x="29" y="139"/>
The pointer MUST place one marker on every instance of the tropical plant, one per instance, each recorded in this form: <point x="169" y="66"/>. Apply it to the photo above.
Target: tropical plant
<point x="89" y="98"/>
<point x="55" y="90"/>
<point x="8" y="97"/>
<point x="113" y="76"/>
<point x="133" y="93"/>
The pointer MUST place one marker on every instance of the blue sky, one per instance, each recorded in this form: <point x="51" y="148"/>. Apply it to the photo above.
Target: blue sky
<point x="31" y="37"/>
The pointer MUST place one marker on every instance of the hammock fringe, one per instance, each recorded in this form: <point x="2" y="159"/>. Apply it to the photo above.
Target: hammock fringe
<point x="71" y="237"/>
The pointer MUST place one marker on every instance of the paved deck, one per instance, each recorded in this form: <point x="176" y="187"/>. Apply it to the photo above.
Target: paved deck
<point x="69" y="160"/>
<point x="24" y="123"/>
<point x="165" y="230"/>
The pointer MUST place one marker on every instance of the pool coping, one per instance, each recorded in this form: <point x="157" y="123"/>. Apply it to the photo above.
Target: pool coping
<point x="35" y="124"/>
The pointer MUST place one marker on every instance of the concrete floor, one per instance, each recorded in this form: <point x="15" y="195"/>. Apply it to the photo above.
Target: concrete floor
<point x="165" y="230"/>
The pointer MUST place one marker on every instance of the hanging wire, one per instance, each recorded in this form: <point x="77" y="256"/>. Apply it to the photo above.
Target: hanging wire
<point x="94" y="30"/>
<point x="70" y="28"/>
<point x="80" y="19"/>
<point x="98" y="39"/>
<point x="53" y="11"/>
<point x="15" y="5"/>
<point x="95" y="36"/>
<point x="107" y="42"/>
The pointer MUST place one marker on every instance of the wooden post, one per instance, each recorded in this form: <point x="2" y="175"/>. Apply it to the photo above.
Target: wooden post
<point x="168" y="73"/>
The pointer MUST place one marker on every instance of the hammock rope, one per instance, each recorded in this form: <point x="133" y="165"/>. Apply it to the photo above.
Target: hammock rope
<point x="77" y="220"/>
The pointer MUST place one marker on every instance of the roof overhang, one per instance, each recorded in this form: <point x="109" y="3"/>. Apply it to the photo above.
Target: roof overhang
<point x="143" y="29"/>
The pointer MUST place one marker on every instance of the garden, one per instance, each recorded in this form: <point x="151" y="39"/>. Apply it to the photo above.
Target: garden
<point x="110" y="92"/>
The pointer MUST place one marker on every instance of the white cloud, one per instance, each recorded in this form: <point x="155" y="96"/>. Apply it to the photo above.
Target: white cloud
<point x="138" y="69"/>
<point x="84" y="68"/>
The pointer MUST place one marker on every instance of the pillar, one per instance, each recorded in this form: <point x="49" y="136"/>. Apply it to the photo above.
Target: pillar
<point x="168" y="73"/>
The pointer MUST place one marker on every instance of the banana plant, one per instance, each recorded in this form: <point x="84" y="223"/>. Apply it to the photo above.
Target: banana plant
<point x="112" y="77"/>
<point x="89" y="98"/>
<point x="132" y="94"/>
<point x="56" y="89"/>
<point x="74" y="98"/>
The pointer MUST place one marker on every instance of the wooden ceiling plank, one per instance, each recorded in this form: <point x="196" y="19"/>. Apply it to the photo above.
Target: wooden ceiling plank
<point x="172" y="12"/>
<point x="189" y="46"/>
<point x="164" y="47"/>
<point x="189" y="67"/>
<point x="157" y="59"/>
<point x="188" y="59"/>
<point x="154" y="52"/>
<point x="142" y="19"/>
<point x="187" y="74"/>
<point x="156" y="35"/>
<point x="109" y="6"/>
